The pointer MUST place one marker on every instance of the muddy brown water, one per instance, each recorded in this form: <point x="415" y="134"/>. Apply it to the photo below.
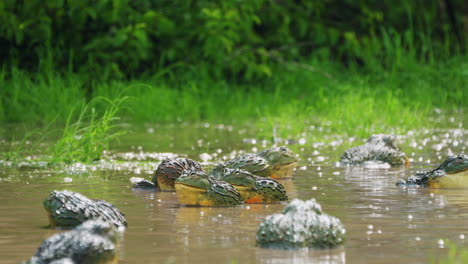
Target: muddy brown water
<point x="384" y="223"/>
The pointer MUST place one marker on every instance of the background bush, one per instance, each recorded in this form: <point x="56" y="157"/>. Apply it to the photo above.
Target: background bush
<point x="240" y="39"/>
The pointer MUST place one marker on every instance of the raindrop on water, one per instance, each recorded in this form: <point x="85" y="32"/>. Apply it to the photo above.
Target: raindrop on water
<point x="67" y="179"/>
<point x="440" y="243"/>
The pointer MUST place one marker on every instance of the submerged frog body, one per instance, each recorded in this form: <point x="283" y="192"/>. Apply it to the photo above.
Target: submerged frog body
<point x="69" y="209"/>
<point x="170" y="169"/>
<point x="254" y="189"/>
<point x="195" y="187"/>
<point x="144" y="185"/>
<point x="91" y="242"/>
<point x="277" y="162"/>
<point x="452" y="173"/>
<point x="379" y="148"/>
<point x="301" y="225"/>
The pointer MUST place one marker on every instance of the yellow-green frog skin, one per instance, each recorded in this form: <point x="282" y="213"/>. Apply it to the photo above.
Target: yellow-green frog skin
<point x="452" y="173"/>
<point x="276" y="162"/>
<point x="254" y="189"/>
<point x="195" y="187"/>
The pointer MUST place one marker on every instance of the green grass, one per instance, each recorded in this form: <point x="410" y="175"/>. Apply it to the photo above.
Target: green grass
<point x="456" y="254"/>
<point x="85" y="137"/>
<point x="354" y="102"/>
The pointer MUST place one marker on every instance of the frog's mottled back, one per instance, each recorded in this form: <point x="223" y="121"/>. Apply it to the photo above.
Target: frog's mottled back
<point x="91" y="242"/>
<point x="195" y="187"/>
<point x="277" y="162"/>
<point x="301" y="225"/>
<point x="254" y="189"/>
<point x="170" y="169"/>
<point x="69" y="209"/>
<point x="381" y="148"/>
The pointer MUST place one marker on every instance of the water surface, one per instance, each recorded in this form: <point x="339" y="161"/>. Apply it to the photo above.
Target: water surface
<point x="384" y="223"/>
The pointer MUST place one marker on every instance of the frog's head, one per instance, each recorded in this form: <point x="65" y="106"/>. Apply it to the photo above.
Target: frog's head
<point x="278" y="156"/>
<point x="455" y="164"/>
<point x="54" y="201"/>
<point x="194" y="178"/>
<point x="238" y="177"/>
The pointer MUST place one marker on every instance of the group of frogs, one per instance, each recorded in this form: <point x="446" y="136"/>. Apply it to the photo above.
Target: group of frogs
<point x="248" y="178"/>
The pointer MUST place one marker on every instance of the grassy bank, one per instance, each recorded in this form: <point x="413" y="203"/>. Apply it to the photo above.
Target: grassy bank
<point x="296" y="96"/>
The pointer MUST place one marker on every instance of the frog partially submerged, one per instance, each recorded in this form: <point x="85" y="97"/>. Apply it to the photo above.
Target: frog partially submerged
<point x="170" y="169"/>
<point x="195" y="187"/>
<point x="91" y="242"/>
<point x="378" y="148"/>
<point x="69" y="209"/>
<point x="254" y="189"/>
<point x="452" y="173"/>
<point x="301" y="225"/>
<point x="277" y="162"/>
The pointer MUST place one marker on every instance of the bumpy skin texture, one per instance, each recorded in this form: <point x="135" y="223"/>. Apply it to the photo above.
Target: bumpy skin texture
<point x="254" y="189"/>
<point x="301" y="225"/>
<point x="170" y="169"/>
<point x="439" y="177"/>
<point x="271" y="162"/>
<point x="377" y="148"/>
<point x="69" y="209"/>
<point x="91" y="242"/>
<point x="205" y="190"/>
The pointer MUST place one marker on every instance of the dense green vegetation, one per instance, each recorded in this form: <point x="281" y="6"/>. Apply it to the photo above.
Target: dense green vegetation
<point x="237" y="39"/>
<point x="356" y="66"/>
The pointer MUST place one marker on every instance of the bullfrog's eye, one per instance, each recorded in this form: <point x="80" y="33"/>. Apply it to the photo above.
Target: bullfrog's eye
<point x="284" y="149"/>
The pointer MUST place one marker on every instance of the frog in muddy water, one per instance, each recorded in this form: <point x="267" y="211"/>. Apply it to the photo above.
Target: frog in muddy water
<point x="276" y="162"/>
<point x="452" y="173"/>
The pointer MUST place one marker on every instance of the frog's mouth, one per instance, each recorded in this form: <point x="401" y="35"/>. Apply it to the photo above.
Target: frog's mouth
<point x="463" y="172"/>
<point x="289" y="163"/>
<point x="189" y="187"/>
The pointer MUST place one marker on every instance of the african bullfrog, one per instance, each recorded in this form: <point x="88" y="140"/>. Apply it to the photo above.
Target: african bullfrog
<point x="254" y="189"/>
<point x="277" y="162"/>
<point x="91" y="242"/>
<point x="195" y="187"/>
<point x="452" y="173"/>
<point x="302" y="224"/>
<point x="69" y="209"/>
<point x="380" y="148"/>
<point x="170" y="169"/>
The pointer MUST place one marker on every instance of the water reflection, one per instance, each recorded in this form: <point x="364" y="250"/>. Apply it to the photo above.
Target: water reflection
<point x="302" y="256"/>
<point x="384" y="223"/>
